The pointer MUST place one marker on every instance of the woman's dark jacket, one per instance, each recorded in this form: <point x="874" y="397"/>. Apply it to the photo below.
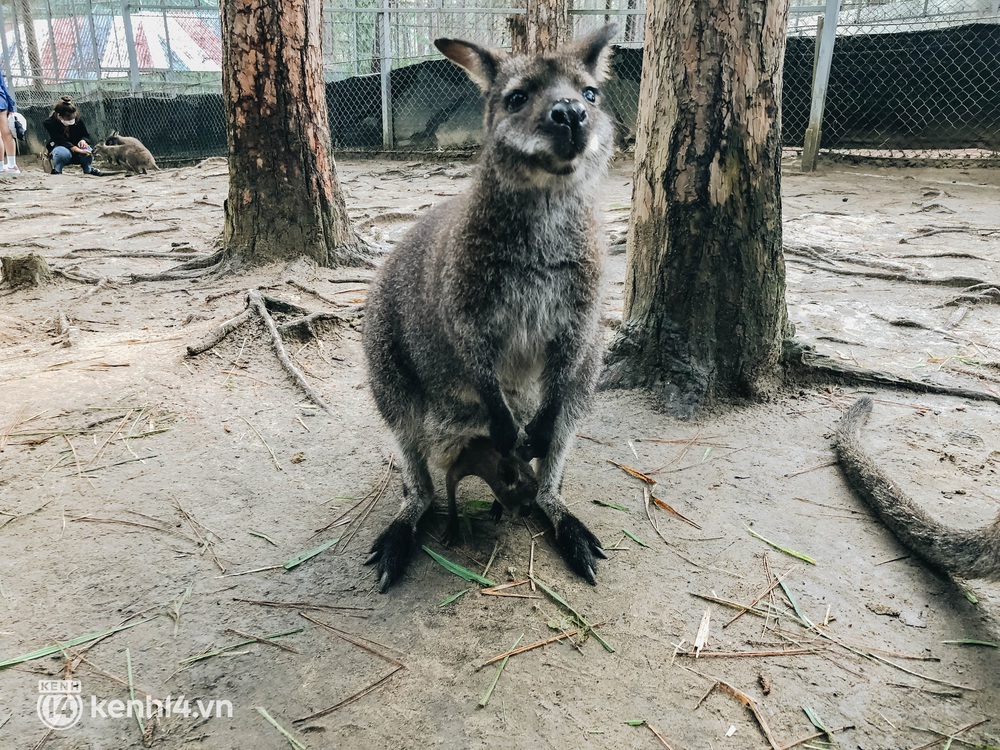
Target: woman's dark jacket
<point x="63" y="135"/>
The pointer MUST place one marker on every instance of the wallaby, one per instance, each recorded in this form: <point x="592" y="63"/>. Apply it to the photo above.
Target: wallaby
<point x="510" y="477"/>
<point x="966" y="554"/>
<point x="484" y="320"/>
<point x="121" y="149"/>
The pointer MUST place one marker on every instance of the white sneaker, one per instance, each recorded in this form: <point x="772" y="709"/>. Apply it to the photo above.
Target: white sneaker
<point x="15" y="170"/>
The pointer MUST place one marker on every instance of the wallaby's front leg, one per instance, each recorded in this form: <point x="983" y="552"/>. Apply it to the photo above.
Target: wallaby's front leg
<point x="394" y="547"/>
<point x="540" y="431"/>
<point x="577" y="544"/>
<point x="479" y="353"/>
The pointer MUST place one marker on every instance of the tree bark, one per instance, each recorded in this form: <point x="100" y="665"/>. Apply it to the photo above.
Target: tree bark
<point x="705" y="281"/>
<point x="284" y="197"/>
<point x="544" y="27"/>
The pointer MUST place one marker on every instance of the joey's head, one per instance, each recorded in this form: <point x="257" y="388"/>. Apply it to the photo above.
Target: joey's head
<point x="544" y="123"/>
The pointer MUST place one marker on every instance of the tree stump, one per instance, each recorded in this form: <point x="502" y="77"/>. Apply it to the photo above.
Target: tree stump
<point x="25" y="270"/>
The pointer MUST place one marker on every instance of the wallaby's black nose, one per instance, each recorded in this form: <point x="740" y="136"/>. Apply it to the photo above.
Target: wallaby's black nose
<point x="568" y="126"/>
<point x="569" y="113"/>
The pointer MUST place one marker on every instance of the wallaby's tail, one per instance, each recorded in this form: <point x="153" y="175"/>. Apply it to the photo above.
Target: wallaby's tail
<point x="967" y="554"/>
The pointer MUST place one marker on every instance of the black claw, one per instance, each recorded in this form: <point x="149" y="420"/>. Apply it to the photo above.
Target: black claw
<point x="599" y="551"/>
<point x="392" y="551"/>
<point x="579" y="547"/>
<point x="496" y="511"/>
<point x="450" y="535"/>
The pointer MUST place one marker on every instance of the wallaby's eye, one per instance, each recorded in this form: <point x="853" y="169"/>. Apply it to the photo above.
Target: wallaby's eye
<point x="515" y="100"/>
<point x="590" y="94"/>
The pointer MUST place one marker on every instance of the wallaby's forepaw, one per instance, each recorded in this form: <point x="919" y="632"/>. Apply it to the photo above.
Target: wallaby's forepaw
<point x="538" y="439"/>
<point x="496" y="511"/>
<point x="579" y="547"/>
<point x="391" y="553"/>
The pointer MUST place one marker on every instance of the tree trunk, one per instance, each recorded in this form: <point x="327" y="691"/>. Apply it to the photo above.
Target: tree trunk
<point x="544" y="27"/>
<point x="284" y="197"/>
<point x="705" y="281"/>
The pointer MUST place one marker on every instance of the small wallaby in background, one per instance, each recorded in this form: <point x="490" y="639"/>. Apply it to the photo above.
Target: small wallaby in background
<point x="120" y="149"/>
<point x="484" y="320"/>
<point x="966" y="554"/>
<point x="510" y="477"/>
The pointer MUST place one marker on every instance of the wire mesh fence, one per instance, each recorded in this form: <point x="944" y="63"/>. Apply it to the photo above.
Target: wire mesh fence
<point x="910" y="78"/>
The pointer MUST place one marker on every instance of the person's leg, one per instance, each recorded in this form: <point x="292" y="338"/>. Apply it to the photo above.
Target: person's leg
<point x="7" y="138"/>
<point x="87" y="162"/>
<point x="61" y="156"/>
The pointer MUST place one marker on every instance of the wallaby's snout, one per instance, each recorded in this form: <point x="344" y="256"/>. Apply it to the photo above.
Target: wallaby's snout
<point x="567" y="123"/>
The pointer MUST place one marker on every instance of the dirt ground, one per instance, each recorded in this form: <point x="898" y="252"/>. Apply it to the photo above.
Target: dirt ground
<point x="137" y="483"/>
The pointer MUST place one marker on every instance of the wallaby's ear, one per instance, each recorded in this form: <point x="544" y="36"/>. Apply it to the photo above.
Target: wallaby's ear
<point x="481" y="64"/>
<point x="594" y="52"/>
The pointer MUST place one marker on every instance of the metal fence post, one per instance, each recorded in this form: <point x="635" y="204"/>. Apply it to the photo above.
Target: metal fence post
<point x="385" y="32"/>
<point x="133" y="58"/>
<point x="821" y="79"/>
<point x="93" y="43"/>
<point x="3" y="50"/>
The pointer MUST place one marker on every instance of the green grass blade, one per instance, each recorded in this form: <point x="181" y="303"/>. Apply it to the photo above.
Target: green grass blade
<point x="786" y="550"/>
<point x="457" y="569"/>
<point x="496" y="678"/>
<point x="971" y="642"/>
<point x="453" y="597"/>
<point x="57" y="647"/>
<point x="635" y="722"/>
<point x="263" y="536"/>
<point x="224" y="649"/>
<point x="131" y="692"/>
<point x="303" y="556"/>
<point x="291" y="740"/>
<point x="634" y="538"/>
<point x="580" y="618"/>
<point x="609" y="504"/>
<point x="815" y="720"/>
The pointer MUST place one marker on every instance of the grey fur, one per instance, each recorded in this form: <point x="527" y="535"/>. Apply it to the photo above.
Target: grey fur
<point x="484" y="321"/>
<point x="120" y="149"/>
<point x="510" y="477"/>
<point x="966" y="554"/>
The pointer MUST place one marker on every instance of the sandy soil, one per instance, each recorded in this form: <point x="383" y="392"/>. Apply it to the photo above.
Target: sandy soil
<point x="136" y="481"/>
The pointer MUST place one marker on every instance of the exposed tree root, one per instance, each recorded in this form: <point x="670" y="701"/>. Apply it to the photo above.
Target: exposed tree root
<point x="931" y="231"/>
<point x="962" y="282"/>
<point x="216" y="263"/>
<point x="975" y="294"/>
<point x="834" y="257"/>
<point x="966" y="553"/>
<point x="80" y="278"/>
<point x="804" y="362"/>
<point x="263" y="306"/>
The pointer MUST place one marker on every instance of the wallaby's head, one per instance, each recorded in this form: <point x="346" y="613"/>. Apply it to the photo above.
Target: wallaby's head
<point x="114" y="139"/>
<point x="543" y="118"/>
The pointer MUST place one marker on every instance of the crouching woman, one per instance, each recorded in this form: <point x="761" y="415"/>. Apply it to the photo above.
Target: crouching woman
<point x="69" y="141"/>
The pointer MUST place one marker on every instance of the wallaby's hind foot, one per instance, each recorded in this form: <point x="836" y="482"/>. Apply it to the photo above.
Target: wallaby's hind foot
<point x="579" y="547"/>
<point x="391" y="553"/>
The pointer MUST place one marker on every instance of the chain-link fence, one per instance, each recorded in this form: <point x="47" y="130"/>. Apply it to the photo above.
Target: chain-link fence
<point x="909" y="77"/>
